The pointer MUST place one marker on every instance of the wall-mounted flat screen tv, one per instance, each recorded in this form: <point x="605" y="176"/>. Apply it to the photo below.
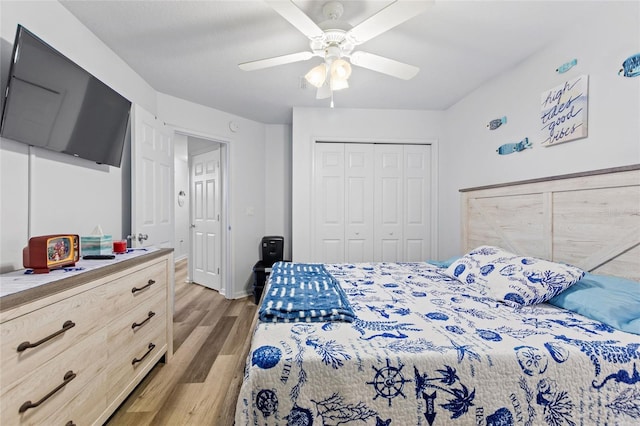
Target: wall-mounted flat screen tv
<point x="53" y="103"/>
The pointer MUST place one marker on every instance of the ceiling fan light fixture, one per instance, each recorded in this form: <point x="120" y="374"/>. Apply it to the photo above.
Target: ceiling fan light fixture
<point x="323" y="92"/>
<point x="338" y="84"/>
<point x="340" y="70"/>
<point x="317" y="75"/>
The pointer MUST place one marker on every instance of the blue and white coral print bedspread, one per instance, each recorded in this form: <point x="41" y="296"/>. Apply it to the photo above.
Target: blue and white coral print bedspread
<point x="427" y="350"/>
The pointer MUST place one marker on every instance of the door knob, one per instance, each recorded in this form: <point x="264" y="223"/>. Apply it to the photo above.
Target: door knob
<point x="140" y="237"/>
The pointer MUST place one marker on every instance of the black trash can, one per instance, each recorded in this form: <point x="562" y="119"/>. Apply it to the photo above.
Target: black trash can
<point x="260" y="274"/>
<point x="271" y="251"/>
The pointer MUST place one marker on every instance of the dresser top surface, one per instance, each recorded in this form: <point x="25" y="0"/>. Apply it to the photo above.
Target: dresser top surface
<point x="20" y="287"/>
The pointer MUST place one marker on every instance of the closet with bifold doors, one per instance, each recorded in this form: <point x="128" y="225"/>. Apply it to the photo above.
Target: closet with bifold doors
<point x="372" y="202"/>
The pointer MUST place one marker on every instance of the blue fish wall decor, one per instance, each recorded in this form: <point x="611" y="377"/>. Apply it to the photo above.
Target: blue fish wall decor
<point x="494" y="124"/>
<point x="509" y="148"/>
<point x="566" y="66"/>
<point x="631" y="66"/>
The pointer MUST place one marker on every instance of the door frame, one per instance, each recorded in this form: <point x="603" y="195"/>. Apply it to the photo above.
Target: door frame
<point x="226" y="276"/>
<point x="433" y="143"/>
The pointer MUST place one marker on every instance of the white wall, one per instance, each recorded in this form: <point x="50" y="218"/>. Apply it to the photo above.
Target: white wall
<point x="181" y="183"/>
<point x="346" y="125"/>
<point x="47" y="192"/>
<point x="277" y="160"/>
<point x="467" y="153"/>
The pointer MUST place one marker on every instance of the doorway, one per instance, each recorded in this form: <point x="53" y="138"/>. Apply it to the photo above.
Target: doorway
<point x="204" y="230"/>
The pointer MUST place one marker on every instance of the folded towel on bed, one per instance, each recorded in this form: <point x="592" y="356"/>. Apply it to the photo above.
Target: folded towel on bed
<point x="302" y="292"/>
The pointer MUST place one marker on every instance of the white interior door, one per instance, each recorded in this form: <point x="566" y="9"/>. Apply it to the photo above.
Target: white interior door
<point x="388" y="203"/>
<point x="151" y="181"/>
<point x="358" y="201"/>
<point x="417" y="203"/>
<point x="329" y="204"/>
<point x="205" y="213"/>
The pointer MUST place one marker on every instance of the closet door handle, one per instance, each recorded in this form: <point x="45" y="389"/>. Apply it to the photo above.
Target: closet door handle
<point x="136" y="360"/>
<point x="149" y="284"/>
<point x="69" y="376"/>
<point x="149" y="316"/>
<point x="26" y="345"/>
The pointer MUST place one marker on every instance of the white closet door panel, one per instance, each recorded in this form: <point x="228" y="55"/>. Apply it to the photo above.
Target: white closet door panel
<point x="417" y="206"/>
<point x="356" y="198"/>
<point x="390" y="250"/>
<point x="388" y="203"/>
<point x="391" y="195"/>
<point x="331" y="251"/>
<point x="329" y="202"/>
<point x="358" y="202"/>
<point x="357" y="250"/>
<point x="415" y="249"/>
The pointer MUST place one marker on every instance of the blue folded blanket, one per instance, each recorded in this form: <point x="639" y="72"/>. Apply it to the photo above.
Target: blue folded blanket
<point x="302" y="292"/>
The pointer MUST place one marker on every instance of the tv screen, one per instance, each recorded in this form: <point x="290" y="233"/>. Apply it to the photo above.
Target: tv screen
<point x="53" y="103"/>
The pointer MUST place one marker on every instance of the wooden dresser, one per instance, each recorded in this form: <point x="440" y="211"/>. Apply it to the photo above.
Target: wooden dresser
<point x="72" y="350"/>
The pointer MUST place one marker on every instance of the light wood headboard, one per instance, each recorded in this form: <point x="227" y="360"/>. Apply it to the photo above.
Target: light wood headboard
<point x="590" y="220"/>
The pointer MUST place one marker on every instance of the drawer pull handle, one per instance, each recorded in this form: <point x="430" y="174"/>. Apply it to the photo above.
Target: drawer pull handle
<point x="136" y="360"/>
<point x="68" y="376"/>
<point x="149" y="316"/>
<point x="26" y="345"/>
<point x="70" y="423"/>
<point x="149" y="284"/>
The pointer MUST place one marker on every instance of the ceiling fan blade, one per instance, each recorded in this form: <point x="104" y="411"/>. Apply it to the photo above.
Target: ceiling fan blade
<point x="384" y="65"/>
<point x="392" y="15"/>
<point x="296" y="17"/>
<point x="276" y="60"/>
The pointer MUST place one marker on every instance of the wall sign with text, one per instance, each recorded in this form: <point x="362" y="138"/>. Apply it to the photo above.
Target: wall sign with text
<point x="563" y="112"/>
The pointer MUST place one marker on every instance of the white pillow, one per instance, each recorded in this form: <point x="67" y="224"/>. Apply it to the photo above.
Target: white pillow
<point x="512" y="279"/>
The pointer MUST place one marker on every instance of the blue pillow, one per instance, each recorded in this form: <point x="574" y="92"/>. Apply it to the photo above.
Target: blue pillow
<point x="443" y="263"/>
<point x="612" y="300"/>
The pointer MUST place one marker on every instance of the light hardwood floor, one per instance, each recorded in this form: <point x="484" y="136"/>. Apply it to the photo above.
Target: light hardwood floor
<point x="200" y="385"/>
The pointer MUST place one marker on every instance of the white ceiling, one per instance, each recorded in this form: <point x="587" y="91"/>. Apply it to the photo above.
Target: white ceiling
<point x="191" y="50"/>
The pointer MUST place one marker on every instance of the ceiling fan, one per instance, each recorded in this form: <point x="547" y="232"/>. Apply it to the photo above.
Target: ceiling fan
<point x="335" y="41"/>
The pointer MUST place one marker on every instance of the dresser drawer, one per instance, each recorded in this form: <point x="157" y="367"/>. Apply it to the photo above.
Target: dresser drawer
<point x="53" y="386"/>
<point x="85" y="407"/>
<point x="136" y="289"/>
<point x="50" y="330"/>
<point x="145" y="344"/>
<point x="136" y="325"/>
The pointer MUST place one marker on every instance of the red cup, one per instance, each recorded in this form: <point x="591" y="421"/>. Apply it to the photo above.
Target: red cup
<point x="120" y="246"/>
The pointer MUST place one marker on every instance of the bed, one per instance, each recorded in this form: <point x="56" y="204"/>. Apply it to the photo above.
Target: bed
<point x="437" y="343"/>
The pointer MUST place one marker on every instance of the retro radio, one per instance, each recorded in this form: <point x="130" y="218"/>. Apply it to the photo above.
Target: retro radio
<point x="47" y="252"/>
